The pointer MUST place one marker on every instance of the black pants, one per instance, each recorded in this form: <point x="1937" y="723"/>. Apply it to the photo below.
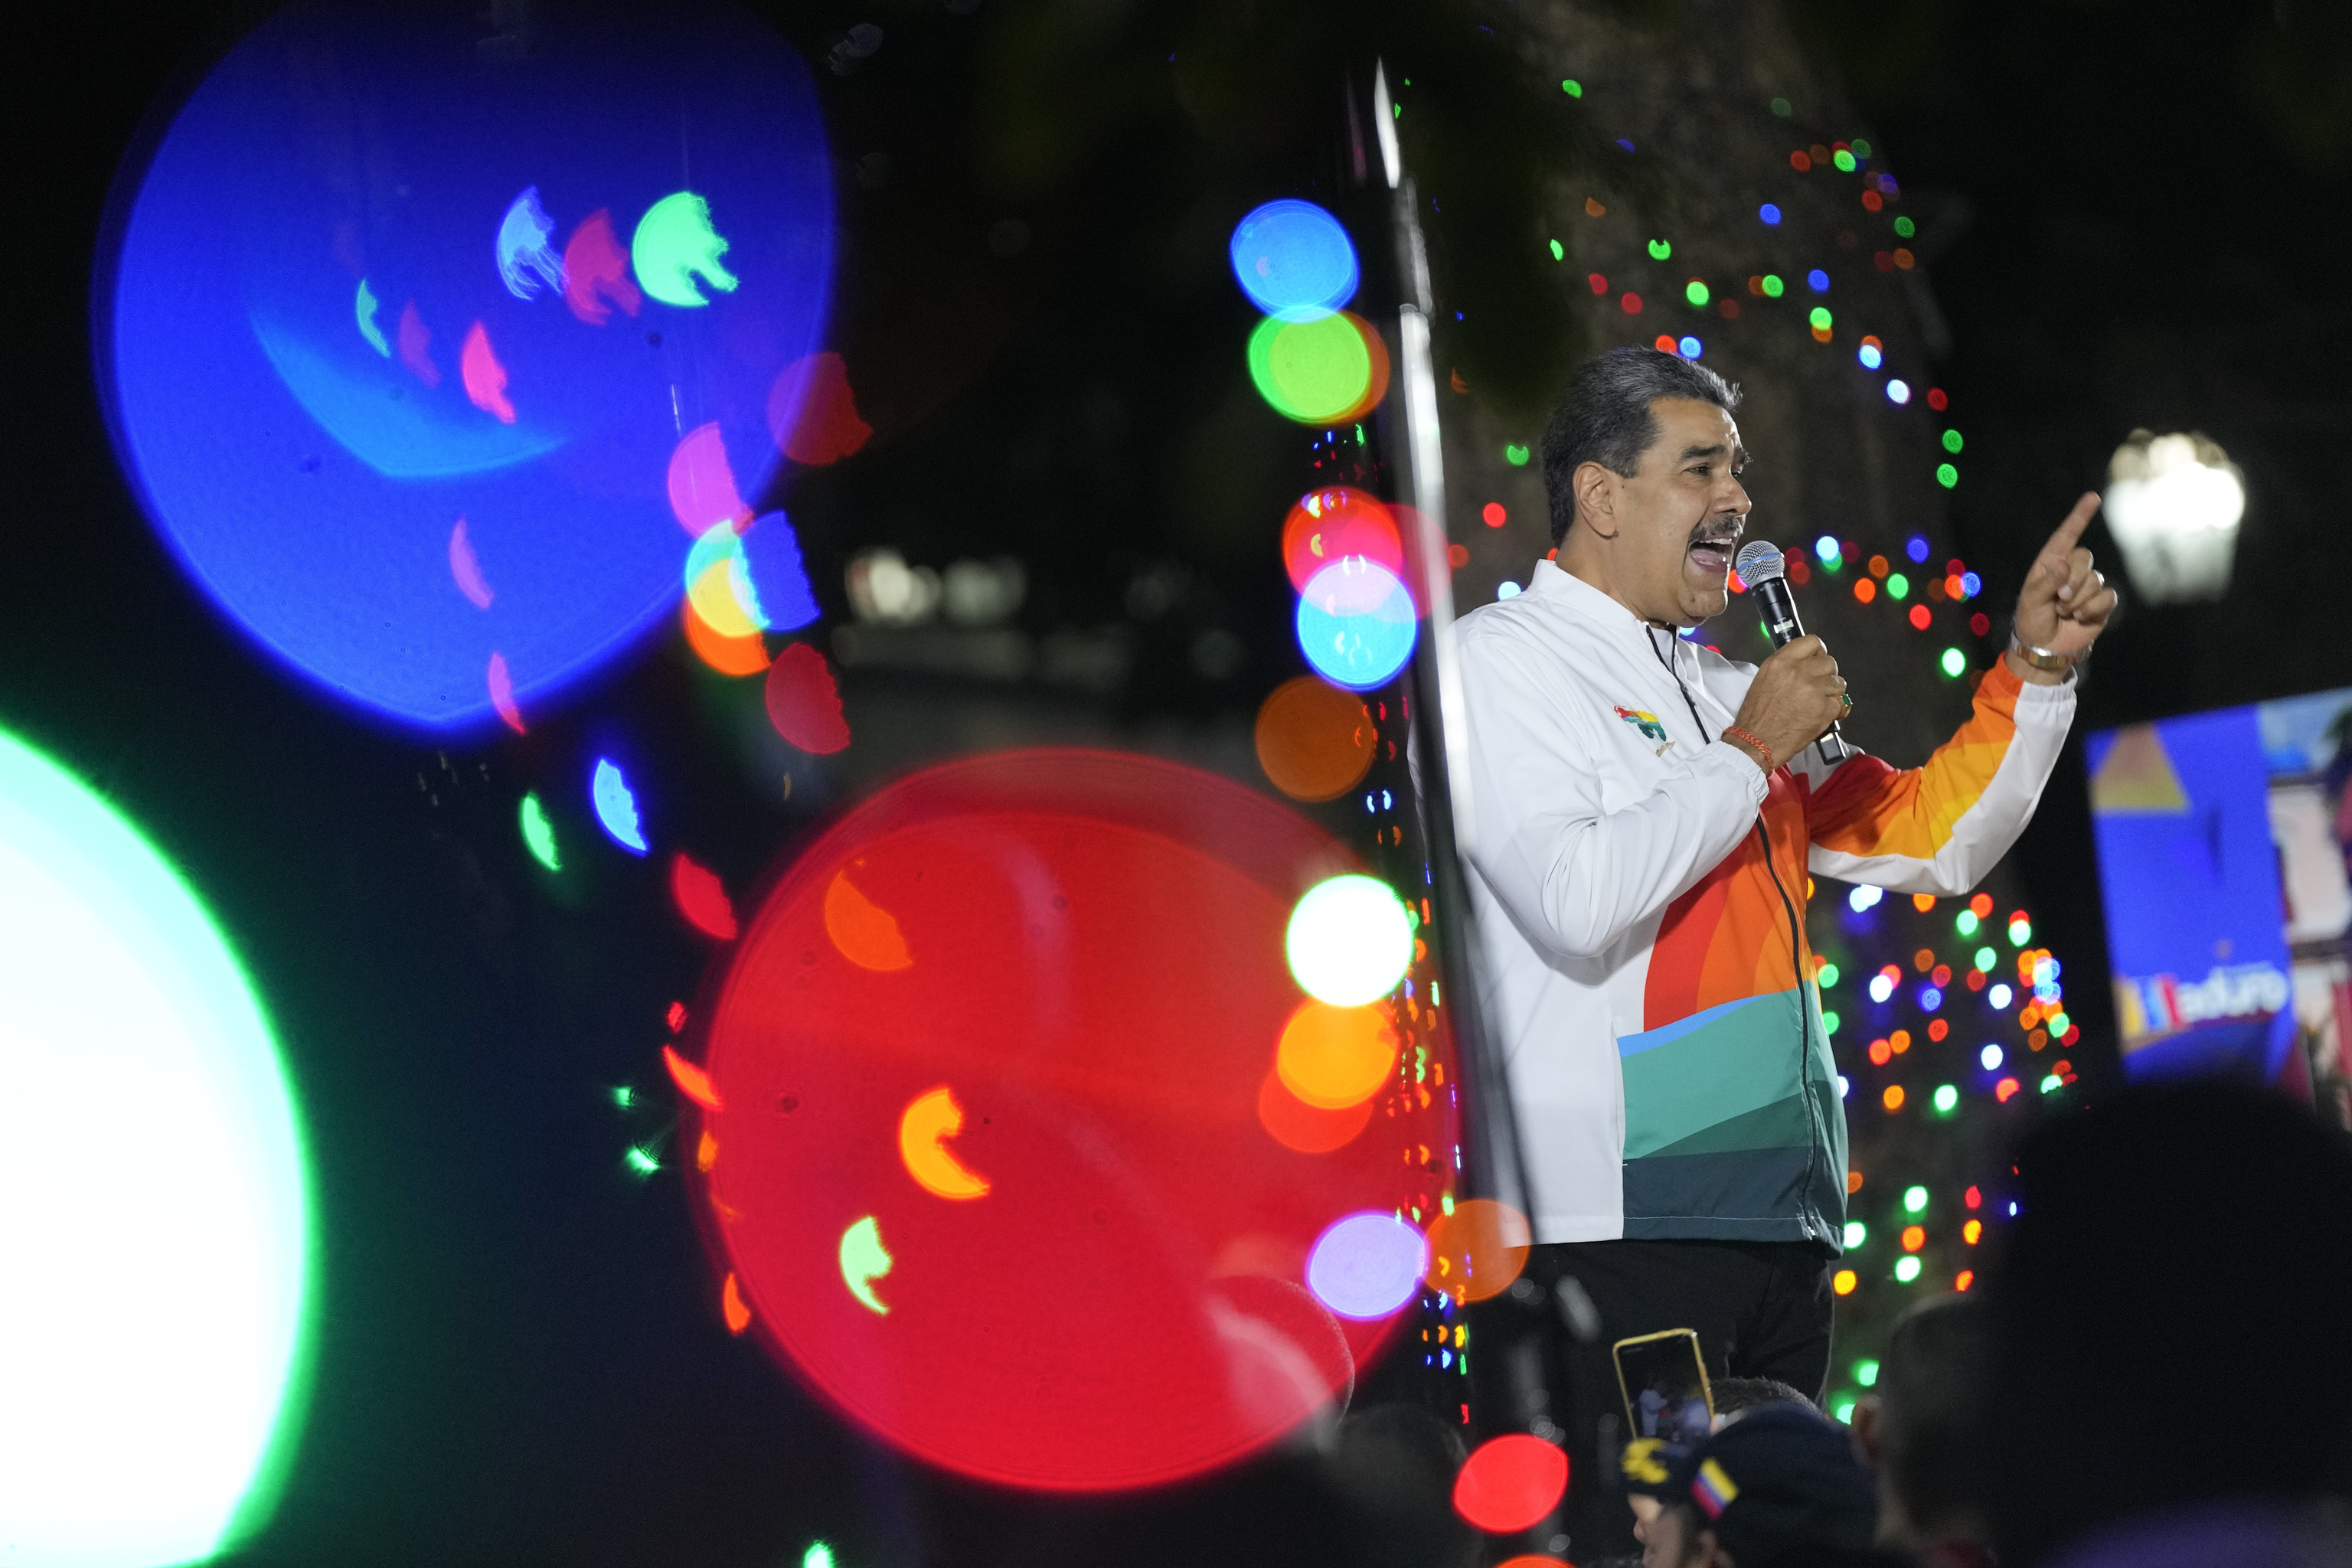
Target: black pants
<point x="1761" y="1309"/>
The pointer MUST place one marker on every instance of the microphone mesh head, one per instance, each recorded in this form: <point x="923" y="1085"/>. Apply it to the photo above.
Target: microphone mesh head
<point x="1759" y="561"/>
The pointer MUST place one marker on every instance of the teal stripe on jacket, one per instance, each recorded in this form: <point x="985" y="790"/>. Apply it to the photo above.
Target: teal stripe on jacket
<point x="1731" y="1122"/>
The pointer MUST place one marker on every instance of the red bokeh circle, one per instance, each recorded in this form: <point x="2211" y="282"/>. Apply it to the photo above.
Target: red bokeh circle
<point x="1086" y="952"/>
<point x="804" y="704"/>
<point x="1510" y="1483"/>
<point x="1337" y="522"/>
<point x="813" y="412"/>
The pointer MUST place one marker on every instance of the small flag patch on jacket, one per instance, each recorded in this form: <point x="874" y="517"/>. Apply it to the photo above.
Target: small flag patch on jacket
<point x="1713" y="1490"/>
<point x="1644" y="721"/>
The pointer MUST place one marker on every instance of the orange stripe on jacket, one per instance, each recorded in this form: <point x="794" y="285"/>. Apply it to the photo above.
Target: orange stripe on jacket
<point x="1728" y="938"/>
<point x="1868" y="808"/>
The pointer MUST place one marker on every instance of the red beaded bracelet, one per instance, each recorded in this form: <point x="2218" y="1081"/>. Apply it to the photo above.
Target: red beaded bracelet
<point x="1733" y="732"/>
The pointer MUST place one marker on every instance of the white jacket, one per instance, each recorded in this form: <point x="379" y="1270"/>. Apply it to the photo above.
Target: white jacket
<point x="1661" y="1028"/>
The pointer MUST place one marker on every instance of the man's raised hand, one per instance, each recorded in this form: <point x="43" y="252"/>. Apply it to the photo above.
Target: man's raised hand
<point x="2065" y="605"/>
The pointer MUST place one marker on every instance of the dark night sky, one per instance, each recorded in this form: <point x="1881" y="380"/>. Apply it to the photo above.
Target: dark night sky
<point x="2155" y="239"/>
<point x="517" y="1354"/>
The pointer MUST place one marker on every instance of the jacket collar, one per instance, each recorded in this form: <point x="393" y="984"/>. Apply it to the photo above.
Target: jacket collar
<point x="1557" y="585"/>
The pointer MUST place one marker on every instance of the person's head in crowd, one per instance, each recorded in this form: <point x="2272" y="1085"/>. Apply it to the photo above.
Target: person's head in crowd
<point x="1733" y="1395"/>
<point x="1649" y="1464"/>
<point x="1393" y="1468"/>
<point x="1923" y="1427"/>
<point x="2165" y="1309"/>
<point x="1648" y="1469"/>
<point x="1779" y="1487"/>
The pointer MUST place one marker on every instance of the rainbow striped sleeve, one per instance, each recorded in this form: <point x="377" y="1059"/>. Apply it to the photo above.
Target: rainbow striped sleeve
<point x="1866" y="816"/>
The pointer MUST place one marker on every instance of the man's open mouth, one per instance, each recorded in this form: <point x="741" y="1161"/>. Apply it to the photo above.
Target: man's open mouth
<point x="1711" y="547"/>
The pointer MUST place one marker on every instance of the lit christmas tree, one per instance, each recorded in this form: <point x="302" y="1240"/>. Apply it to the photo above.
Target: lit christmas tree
<point x="1736" y="212"/>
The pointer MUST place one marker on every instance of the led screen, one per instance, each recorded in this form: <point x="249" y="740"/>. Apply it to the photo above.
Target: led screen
<point x="2222" y="840"/>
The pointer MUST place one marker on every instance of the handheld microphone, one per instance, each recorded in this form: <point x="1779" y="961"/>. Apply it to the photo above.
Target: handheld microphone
<point x="1762" y="567"/>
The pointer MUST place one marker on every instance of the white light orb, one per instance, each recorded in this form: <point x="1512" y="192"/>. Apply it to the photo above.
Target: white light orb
<point x="1350" y="941"/>
<point x="153" y="1215"/>
<point x="2173" y="503"/>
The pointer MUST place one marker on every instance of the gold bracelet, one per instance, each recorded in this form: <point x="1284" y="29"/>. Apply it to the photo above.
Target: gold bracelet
<point x="2045" y="659"/>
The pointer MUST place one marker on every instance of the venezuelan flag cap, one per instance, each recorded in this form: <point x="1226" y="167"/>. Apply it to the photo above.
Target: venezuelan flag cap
<point x="1712" y="1489"/>
<point x="1779" y="1481"/>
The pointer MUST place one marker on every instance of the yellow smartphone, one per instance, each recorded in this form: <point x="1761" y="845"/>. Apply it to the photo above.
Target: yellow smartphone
<point x="1663" y="1380"/>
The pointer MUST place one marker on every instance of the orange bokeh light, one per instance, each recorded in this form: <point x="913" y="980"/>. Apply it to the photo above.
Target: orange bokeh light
<point x="745" y="654"/>
<point x="1844" y="1281"/>
<point x="924" y="1129"/>
<point x="1914" y="1236"/>
<point x="1302" y="1128"/>
<point x="1314" y="740"/>
<point x="691" y="1080"/>
<point x="1333" y="1057"/>
<point x="1893" y="1098"/>
<point x="1478" y="1249"/>
<point x="865" y="934"/>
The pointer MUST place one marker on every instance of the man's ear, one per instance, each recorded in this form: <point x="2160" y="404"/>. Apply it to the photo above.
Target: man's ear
<point x="1712" y="1554"/>
<point x="1595" y="490"/>
<point x="1869" y="1435"/>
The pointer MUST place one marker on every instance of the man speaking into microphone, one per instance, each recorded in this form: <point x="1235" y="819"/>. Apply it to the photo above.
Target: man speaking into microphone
<point x="1644" y="813"/>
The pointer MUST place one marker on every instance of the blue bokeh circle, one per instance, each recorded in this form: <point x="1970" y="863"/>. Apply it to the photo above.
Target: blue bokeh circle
<point x="334" y="323"/>
<point x="1293" y="260"/>
<point x="1356" y="623"/>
